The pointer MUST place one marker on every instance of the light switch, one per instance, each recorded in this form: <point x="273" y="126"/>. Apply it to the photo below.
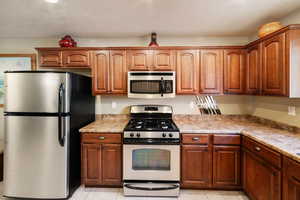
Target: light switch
<point x="114" y="105"/>
<point x="292" y="110"/>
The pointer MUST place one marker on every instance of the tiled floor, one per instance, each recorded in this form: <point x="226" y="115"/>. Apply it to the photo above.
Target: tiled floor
<point x="117" y="194"/>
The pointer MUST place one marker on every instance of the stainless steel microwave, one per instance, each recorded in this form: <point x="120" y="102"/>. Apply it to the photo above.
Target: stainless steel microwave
<point x="151" y="84"/>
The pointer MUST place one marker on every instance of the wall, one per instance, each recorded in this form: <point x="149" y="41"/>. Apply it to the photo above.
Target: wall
<point x="181" y="104"/>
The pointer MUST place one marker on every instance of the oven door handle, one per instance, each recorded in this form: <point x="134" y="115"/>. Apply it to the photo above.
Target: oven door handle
<point x="171" y="187"/>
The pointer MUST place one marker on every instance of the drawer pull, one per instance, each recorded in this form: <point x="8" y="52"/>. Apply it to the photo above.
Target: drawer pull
<point x="195" y="139"/>
<point x="257" y="148"/>
<point x="101" y="138"/>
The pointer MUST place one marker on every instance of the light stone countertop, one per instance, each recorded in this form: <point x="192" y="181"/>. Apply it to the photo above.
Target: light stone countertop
<point x="286" y="142"/>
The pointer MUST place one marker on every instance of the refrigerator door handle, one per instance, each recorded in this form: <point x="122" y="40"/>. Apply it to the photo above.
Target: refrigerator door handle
<point x="61" y="130"/>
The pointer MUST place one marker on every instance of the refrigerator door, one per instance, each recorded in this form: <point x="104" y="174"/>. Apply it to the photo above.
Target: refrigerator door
<point x="36" y="164"/>
<point x="36" y="92"/>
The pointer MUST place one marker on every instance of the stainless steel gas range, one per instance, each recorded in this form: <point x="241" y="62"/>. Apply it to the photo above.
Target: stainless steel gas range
<point x="151" y="152"/>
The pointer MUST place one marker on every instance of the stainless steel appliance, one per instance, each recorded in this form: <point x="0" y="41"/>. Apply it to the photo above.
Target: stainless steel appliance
<point x="151" y="84"/>
<point x="43" y="113"/>
<point x="151" y="152"/>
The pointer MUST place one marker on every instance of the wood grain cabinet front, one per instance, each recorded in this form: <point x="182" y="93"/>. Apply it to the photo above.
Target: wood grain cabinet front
<point x="274" y="71"/>
<point x="101" y="159"/>
<point x="76" y="59"/>
<point x="291" y="179"/>
<point x="253" y="70"/>
<point x="196" y="168"/>
<point x="139" y="60"/>
<point x="234" y="71"/>
<point x="50" y="59"/>
<point x="211" y="71"/>
<point x="164" y="60"/>
<point x="187" y="77"/>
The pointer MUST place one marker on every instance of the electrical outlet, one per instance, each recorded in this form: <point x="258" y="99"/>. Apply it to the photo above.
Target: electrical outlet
<point x="292" y="110"/>
<point x="113" y="105"/>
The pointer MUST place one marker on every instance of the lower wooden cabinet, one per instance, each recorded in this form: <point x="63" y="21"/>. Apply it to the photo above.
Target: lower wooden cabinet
<point x="262" y="181"/>
<point x="101" y="160"/>
<point x="196" y="168"/>
<point x="227" y="167"/>
<point x="291" y="180"/>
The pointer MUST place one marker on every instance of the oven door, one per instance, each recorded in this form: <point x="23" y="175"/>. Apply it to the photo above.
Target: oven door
<point x="151" y="84"/>
<point x="151" y="162"/>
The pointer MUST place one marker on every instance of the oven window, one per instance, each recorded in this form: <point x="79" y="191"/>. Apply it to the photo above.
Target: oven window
<point x="151" y="159"/>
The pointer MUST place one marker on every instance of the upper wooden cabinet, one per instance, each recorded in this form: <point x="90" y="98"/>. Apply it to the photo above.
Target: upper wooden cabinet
<point x="211" y="71"/>
<point x="253" y="69"/>
<point x="76" y="59"/>
<point x="109" y="72"/>
<point x="187" y="72"/>
<point x="274" y="71"/>
<point x="151" y="60"/>
<point x="234" y="73"/>
<point x="139" y="60"/>
<point x="66" y="58"/>
<point x="50" y="59"/>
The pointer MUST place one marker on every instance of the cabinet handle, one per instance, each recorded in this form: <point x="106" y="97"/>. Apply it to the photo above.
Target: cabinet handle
<point x="101" y="138"/>
<point x="257" y="148"/>
<point x="195" y="138"/>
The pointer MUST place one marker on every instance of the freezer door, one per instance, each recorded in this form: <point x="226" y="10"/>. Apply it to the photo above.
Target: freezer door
<point x="36" y="164"/>
<point x="36" y="92"/>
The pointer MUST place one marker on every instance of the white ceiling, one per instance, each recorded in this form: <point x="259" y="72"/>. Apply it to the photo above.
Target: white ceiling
<point x="134" y="18"/>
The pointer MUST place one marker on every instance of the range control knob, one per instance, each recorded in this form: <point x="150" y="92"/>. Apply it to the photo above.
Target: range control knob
<point x="164" y="135"/>
<point x="170" y="135"/>
<point x="131" y="134"/>
<point x="138" y="135"/>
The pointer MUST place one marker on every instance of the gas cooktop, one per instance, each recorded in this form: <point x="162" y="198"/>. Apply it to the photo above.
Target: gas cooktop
<point x="151" y="125"/>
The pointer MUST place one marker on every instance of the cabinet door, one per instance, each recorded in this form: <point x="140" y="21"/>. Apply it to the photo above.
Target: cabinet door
<point x="91" y="164"/>
<point x="76" y="58"/>
<point x="261" y="180"/>
<point x="274" y="67"/>
<point x="111" y="164"/>
<point x="253" y="70"/>
<point x="211" y="71"/>
<point x="164" y="60"/>
<point x="227" y="167"/>
<point x="139" y="60"/>
<point x="50" y="58"/>
<point x="187" y="72"/>
<point x="291" y="180"/>
<point x="234" y="71"/>
<point x="196" y="168"/>
<point x="100" y="71"/>
<point x="118" y="72"/>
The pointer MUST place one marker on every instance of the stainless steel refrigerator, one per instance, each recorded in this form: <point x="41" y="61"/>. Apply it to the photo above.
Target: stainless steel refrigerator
<point x="44" y="111"/>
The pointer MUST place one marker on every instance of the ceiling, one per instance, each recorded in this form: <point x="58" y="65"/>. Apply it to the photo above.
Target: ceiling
<point x="137" y="18"/>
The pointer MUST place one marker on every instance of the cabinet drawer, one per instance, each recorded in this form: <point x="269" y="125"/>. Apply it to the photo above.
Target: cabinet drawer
<point x="264" y="152"/>
<point x="101" y="138"/>
<point x="195" y="139"/>
<point x="227" y="139"/>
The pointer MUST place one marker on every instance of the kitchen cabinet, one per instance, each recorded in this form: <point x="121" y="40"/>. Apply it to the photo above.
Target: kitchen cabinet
<point x="195" y="166"/>
<point x="274" y="71"/>
<point x="151" y="60"/>
<point x="101" y="159"/>
<point x="253" y="70"/>
<point x="109" y="72"/>
<point x="67" y="58"/>
<point x="291" y="179"/>
<point x="234" y="72"/>
<point x="227" y="161"/>
<point x="76" y="58"/>
<point x="50" y="59"/>
<point x="211" y="71"/>
<point x="187" y="77"/>
<point x="262" y="179"/>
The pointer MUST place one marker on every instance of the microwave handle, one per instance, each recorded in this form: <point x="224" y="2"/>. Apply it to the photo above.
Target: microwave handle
<point x="162" y="87"/>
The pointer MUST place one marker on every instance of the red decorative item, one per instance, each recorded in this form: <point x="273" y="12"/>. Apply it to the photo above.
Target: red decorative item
<point x="153" y="42"/>
<point x="67" y="41"/>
